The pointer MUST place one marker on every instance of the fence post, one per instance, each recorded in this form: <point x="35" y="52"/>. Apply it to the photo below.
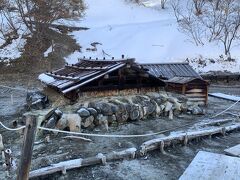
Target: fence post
<point x="27" y="148"/>
<point x="12" y="99"/>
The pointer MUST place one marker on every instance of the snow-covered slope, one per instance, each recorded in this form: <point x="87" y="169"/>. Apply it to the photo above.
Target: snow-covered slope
<point x="14" y="48"/>
<point x="145" y="32"/>
<point x="149" y="34"/>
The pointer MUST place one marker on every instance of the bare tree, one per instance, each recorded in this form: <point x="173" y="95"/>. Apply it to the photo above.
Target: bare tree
<point x="217" y="4"/>
<point x="35" y="15"/>
<point x="8" y="26"/>
<point x="228" y="24"/>
<point x="219" y="21"/>
<point x="198" y="5"/>
<point x="188" y="21"/>
<point x="163" y="2"/>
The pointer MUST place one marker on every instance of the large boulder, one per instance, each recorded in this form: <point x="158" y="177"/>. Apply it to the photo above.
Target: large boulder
<point x="70" y="121"/>
<point x="123" y="108"/>
<point x="158" y="110"/>
<point x="148" y="105"/>
<point x="87" y="122"/>
<point x="196" y="110"/>
<point x="53" y="118"/>
<point x="103" y="107"/>
<point x="112" y="119"/>
<point x="36" y="100"/>
<point x="168" y="106"/>
<point x="95" y="105"/>
<point x="134" y="113"/>
<point x="83" y="112"/>
<point x="159" y="98"/>
<point x="93" y="112"/>
<point x="102" y="121"/>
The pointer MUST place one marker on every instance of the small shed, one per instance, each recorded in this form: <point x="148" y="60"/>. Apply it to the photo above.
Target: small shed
<point x="102" y="77"/>
<point x="181" y="78"/>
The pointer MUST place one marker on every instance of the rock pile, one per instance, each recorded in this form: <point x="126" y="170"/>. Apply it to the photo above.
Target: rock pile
<point x="118" y="110"/>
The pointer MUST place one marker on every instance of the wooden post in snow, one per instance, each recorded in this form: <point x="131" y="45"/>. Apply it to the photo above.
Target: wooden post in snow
<point x="27" y="148"/>
<point x="52" y="45"/>
<point x="12" y="99"/>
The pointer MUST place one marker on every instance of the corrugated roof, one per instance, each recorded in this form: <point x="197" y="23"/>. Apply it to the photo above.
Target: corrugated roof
<point x="171" y="70"/>
<point x="74" y="76"/>
<point x="181" y="80"/>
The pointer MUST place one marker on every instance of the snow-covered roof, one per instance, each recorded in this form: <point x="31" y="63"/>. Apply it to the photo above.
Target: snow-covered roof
<point x="184" y="80"/>
<point x="74" y="76"/>
<point x="171" y="70"/>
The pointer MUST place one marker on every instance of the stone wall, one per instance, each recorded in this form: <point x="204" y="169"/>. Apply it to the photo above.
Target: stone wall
<point x="116" y="110"/>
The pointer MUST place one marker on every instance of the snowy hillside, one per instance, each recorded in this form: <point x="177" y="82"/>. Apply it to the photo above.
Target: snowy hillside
<point x="12" y="48"/>
<point x="147" y="33"/>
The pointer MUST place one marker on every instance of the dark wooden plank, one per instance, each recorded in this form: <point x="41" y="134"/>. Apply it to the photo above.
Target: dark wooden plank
<point x="27" y="148"/>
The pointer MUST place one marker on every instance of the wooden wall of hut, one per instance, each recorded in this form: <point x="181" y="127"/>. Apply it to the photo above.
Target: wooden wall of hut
<point x="118" y="92"/>
<point x="196" y="90"/>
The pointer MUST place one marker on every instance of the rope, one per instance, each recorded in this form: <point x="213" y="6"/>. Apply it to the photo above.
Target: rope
<point x="19" y="89"/>
<point x="117" y="136"/>
<point x="222" y="112"/>
<point x="98" y="135"/>
<point x="11" y="129"/>
<point x="114" y="135"/>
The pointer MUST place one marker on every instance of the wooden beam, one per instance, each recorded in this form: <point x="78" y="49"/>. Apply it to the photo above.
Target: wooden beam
<point x="179" y="138"/>
<point x="77" y="163"/>
<point x="206" y="93"/>
<point x="87" y="68"/>
<point x="184" y="89"/>
<point x="27" y="148"/>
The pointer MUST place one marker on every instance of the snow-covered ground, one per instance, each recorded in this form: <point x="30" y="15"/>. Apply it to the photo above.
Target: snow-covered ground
<point x="147" y="33"/>
<point x="14" y="49"/>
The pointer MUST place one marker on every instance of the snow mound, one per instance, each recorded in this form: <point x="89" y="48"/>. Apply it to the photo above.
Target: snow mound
<point x="45" y="78"/>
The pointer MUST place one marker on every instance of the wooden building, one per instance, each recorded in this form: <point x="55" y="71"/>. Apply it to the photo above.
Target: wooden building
<point x="181" y="78"/>
<point x="101" y="78"/>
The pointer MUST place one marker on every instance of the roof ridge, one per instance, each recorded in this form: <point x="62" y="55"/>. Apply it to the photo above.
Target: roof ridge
<point x="164" y="63"/>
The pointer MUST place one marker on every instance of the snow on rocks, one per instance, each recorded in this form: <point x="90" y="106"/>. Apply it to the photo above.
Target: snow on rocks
<point x="13" y="50"/>
<point x="37" y="100"/>
<point x="71" y="121"/>
<point x="116" y="110"/>
<point x="45" y="78"/>
<point x="83" y="112"/>
<point x="206" y="64"/>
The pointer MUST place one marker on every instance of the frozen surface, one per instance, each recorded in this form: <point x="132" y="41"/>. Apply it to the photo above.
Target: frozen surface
<point x="233" y="151"/>
<point x="212" y="166"/>
<point x="225" y="96"/>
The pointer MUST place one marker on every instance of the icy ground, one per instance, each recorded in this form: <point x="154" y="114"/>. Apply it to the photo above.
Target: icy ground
<point x="152" y="166"/>
<point x="146" y="32"/>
